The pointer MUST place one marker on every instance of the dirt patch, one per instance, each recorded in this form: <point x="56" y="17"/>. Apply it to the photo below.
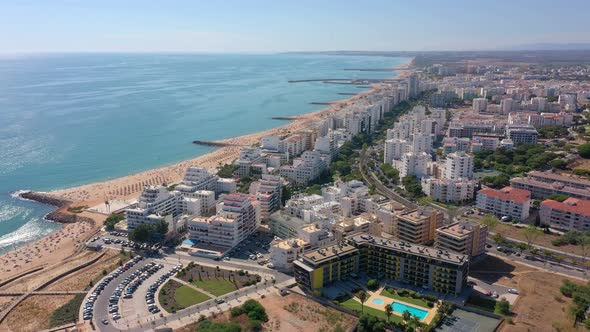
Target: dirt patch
<point x="291" y="313"/>
<point x="540" y="305"/>
<point x="81" y="279"/>
<point x="298" y="313"/>
<point x="33" y="313"/>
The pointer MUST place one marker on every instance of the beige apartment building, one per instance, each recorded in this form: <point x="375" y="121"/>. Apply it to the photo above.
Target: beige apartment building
<point x="418" y="226"/>
<point x="465" y="237"/>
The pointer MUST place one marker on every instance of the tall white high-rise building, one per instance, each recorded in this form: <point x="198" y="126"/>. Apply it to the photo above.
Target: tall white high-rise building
<point x="507" y="105"/>
<point x="421" y="142"/>
<point x="480" y="105"/>
<point x="394" y="149"/>
<point x="459" y="165"/>
<point x="237" y="217"/>
<point x="414" y="164"/>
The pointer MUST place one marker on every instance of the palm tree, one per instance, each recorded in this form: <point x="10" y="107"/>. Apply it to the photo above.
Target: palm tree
<point x="406" y="315"/>
<point x="388" y="311"/>
<point x="531" y="233"/>
<point x="362" y="295"/>
<point x="491" y="221"/>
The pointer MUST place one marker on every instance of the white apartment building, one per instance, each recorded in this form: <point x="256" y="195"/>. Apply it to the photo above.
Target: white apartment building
<point x="414" y="164"/>
<point x="507" y="105"/>
<point x="454" y="144"/>
<point x="236" y="219"/>
<point x="394" y="149"/>
<point x="268" y="191"/>
<point x="479" y="143"/>
<point x="539" y="104"/>
<point x="421" y="143"/>
<point x="507" y="201"/>
<point x="155" y="204"/>
<point x="479" y="105"/>
<point x="284" y="252"/>
<point x="458" y="165"/>
<point x="522" y="134"/>
<point x="315" y="236"/>
<point x="305" y="169"/>
<point x="571" y="214"/>
<point x="445" y="190"/>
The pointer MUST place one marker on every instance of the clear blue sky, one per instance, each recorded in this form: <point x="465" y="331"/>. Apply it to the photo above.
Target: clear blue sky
<point x="287" y="25"/>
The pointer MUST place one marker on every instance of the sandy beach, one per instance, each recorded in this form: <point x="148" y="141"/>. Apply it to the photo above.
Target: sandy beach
<point x="48" y="250"/>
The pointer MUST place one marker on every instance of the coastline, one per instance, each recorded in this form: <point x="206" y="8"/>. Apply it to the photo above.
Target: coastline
<point x="130" y="186"/>
<point x="78" y="227"/>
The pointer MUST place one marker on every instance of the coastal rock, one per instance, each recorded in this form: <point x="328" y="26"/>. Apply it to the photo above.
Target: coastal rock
<point x="66" y="218"/>
<point x="45" y="199"/>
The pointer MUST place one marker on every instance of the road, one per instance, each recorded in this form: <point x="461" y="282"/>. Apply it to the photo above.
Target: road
<point x="541" y="264"/>
<point x="370" y="178"/>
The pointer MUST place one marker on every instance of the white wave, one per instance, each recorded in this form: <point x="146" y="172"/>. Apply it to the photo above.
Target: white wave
<point x="29" y="232"/>
<point x="17" y="194"/>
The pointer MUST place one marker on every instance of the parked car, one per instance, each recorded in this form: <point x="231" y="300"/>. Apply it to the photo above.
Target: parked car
<point x="513" y="291"/>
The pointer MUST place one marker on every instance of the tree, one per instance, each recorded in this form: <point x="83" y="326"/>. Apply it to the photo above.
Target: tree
<point x="388" y="311"/>
<point x="362" y="295"/>
<point x="286" y="195"/>
<point x="491" y="221"/>
<point x="584" y="150"/>
<point x="502" y="307"/>
<point x="141" y="233"/>
<point x="406" y="315"/>
<point x="558" y="197"/>
<point x="373" y="284"/>
<point x="412" y="186"/>
<point x="531" y="233"/>
<point x="112" y="220"/>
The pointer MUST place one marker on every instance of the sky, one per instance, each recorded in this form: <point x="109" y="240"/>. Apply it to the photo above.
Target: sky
<point x="262" y="26"/>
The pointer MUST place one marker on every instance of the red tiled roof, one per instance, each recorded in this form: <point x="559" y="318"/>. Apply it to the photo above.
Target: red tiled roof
<point x="508" y="194"/>
<point x="573" y="205"/>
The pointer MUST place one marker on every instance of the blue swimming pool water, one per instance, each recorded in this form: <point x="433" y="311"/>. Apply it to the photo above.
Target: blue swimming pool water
<point x="378" y="301"/>
<point x="400" y="308"/>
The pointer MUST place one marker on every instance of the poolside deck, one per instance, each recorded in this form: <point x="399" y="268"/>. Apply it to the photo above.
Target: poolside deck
<point x="376" y="295"/>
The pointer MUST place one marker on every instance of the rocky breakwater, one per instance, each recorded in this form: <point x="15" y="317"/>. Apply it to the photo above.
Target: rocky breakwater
<point x="60" y="215"/>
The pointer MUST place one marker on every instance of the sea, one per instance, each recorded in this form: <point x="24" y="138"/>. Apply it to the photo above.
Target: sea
<point x="73" y="119"/>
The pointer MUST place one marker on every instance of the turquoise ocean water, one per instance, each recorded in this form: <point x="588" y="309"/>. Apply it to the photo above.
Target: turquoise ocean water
<point x="72" y="119"/>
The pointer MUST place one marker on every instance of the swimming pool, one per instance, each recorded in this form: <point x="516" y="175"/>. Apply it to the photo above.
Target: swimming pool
<point x="378" y="301"/>
<point x="400" y="308"/>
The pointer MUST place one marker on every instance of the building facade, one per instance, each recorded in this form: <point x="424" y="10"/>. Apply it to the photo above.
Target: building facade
<point x="507" y="201"/>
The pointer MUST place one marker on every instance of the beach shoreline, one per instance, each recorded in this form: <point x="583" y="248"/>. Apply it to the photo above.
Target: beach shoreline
<point x="129" y="187"/>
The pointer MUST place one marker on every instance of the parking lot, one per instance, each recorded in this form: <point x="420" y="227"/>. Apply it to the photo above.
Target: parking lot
<point x="254" y="249"/>
<point x="138" y="306"/>
<point x="127" y="293"/>
<point x="119" y="240"/>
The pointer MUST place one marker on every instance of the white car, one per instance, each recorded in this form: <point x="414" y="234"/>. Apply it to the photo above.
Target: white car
<point x="495" y="295"/>
<point x="513" y="291"/>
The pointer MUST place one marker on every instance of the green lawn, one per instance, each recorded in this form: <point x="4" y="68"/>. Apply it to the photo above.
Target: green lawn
<point x="355" y="305"/>
<point x="186" y="297"/>
<point x="216" y="287"/>
<point x="418" y="302"/>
